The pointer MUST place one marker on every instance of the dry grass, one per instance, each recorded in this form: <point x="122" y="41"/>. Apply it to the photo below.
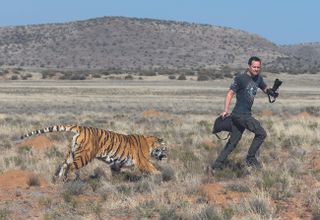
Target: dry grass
<point x="181" y="112"/>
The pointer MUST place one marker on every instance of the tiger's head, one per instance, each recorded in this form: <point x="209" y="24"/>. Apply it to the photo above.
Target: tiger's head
<point x="157" y="147"/>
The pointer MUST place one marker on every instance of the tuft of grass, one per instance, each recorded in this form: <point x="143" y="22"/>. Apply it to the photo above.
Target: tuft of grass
<point x="95" y="184"/>
<point x="74" y="188"/>
<point x="124" y="189"/>
<point x="146" y="209"/>
<point x="24" y="149"/>
<point x="33" y="180"/>
<point x="5" y="214"/>
<point x="190" y="161"/>
<point x="237" y="187"/>
<point x="69" y="198"/>
<point x="259" y="204"/>
<point x="5" y="144"/>
<point x="142" y="186"/>
<point x="167" y="174"/>
<point x="228" y="213"/>
<point x="19" y="161"/>
<point x="53" y="152"/>
<point x="96" y="208"/>
<point x="45" y="202"/>
<point x="276" y="183"/>
<point x="168" y="213"/>
<point x="315" y="213"/>
<point x="208" y="213"/>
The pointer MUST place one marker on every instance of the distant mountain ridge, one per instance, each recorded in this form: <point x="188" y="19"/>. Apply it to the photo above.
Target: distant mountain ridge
<point x="132" y="43"/>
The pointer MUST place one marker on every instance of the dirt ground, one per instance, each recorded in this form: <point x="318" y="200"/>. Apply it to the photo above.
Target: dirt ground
<point x="15" y="186"/>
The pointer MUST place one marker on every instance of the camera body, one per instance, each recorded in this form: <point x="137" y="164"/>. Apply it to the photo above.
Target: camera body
<point x="273" y="91"/>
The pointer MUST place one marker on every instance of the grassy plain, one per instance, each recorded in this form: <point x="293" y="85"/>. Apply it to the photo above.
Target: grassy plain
<point x="181" y="112"/>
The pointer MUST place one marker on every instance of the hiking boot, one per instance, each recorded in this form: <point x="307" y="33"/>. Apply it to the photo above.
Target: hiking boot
<point x="253" y="162"/>
<point x="217" y="165"/>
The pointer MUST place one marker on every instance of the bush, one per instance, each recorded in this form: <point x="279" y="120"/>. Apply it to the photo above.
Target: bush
<point x="78" y="77"/>
<point x="96" y="75"/>
<point x="48" y="74"/>
<point x="128" y="77"/>
<point x="203" y="78"/>
<point x="182" y="77"/>
<point x="172" y="77"/>
<point x="148" y="73"/>
<point x="14" y="77"/>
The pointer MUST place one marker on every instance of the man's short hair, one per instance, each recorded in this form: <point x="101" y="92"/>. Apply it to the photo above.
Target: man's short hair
<point x="254" y="58"/>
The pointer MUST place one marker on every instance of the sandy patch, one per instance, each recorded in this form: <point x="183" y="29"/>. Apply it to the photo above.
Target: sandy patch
<point x="38" y="142"/>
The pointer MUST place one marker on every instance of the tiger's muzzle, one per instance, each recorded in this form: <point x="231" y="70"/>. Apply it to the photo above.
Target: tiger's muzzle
<point x="159" y="153"/>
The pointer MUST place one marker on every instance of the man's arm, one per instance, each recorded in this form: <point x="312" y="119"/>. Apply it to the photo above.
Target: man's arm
<point x="265" y="90"/>
<point x="227" y="102"/>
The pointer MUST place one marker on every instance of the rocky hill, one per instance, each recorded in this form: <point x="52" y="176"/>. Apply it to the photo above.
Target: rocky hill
<point x="134" y="44"/>
<point x="301" y="58"/>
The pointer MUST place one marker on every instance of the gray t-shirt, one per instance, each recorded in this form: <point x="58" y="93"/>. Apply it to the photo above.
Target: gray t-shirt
<point x="246" y="88"/>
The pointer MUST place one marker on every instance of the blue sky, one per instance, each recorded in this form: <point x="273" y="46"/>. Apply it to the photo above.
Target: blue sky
<point x="280" y="21"/>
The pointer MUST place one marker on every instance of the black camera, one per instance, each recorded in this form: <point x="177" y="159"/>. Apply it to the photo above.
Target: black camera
<point x="273" y="91"/>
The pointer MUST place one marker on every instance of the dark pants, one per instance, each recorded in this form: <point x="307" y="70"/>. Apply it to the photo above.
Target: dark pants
<point x="240" y="123"/>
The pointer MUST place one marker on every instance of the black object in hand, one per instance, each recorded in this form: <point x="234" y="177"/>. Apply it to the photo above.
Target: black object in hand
<point x="277" y="83"/>
<point x="273" y="92"/>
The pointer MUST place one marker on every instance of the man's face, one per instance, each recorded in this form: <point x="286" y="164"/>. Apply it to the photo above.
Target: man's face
<point x="254" y="68"/>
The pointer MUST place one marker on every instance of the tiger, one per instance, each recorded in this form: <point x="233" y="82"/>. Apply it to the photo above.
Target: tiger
<point x="115" y="149"/>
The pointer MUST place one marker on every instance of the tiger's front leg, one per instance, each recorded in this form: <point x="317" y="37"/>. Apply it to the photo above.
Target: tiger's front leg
<point x="62" y="171"/>
<point x="66" y="168"/>
<point x="115" y="168"/>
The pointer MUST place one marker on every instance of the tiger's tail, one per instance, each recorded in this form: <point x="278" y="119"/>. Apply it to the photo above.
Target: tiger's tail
<point x="55" y="128"/>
